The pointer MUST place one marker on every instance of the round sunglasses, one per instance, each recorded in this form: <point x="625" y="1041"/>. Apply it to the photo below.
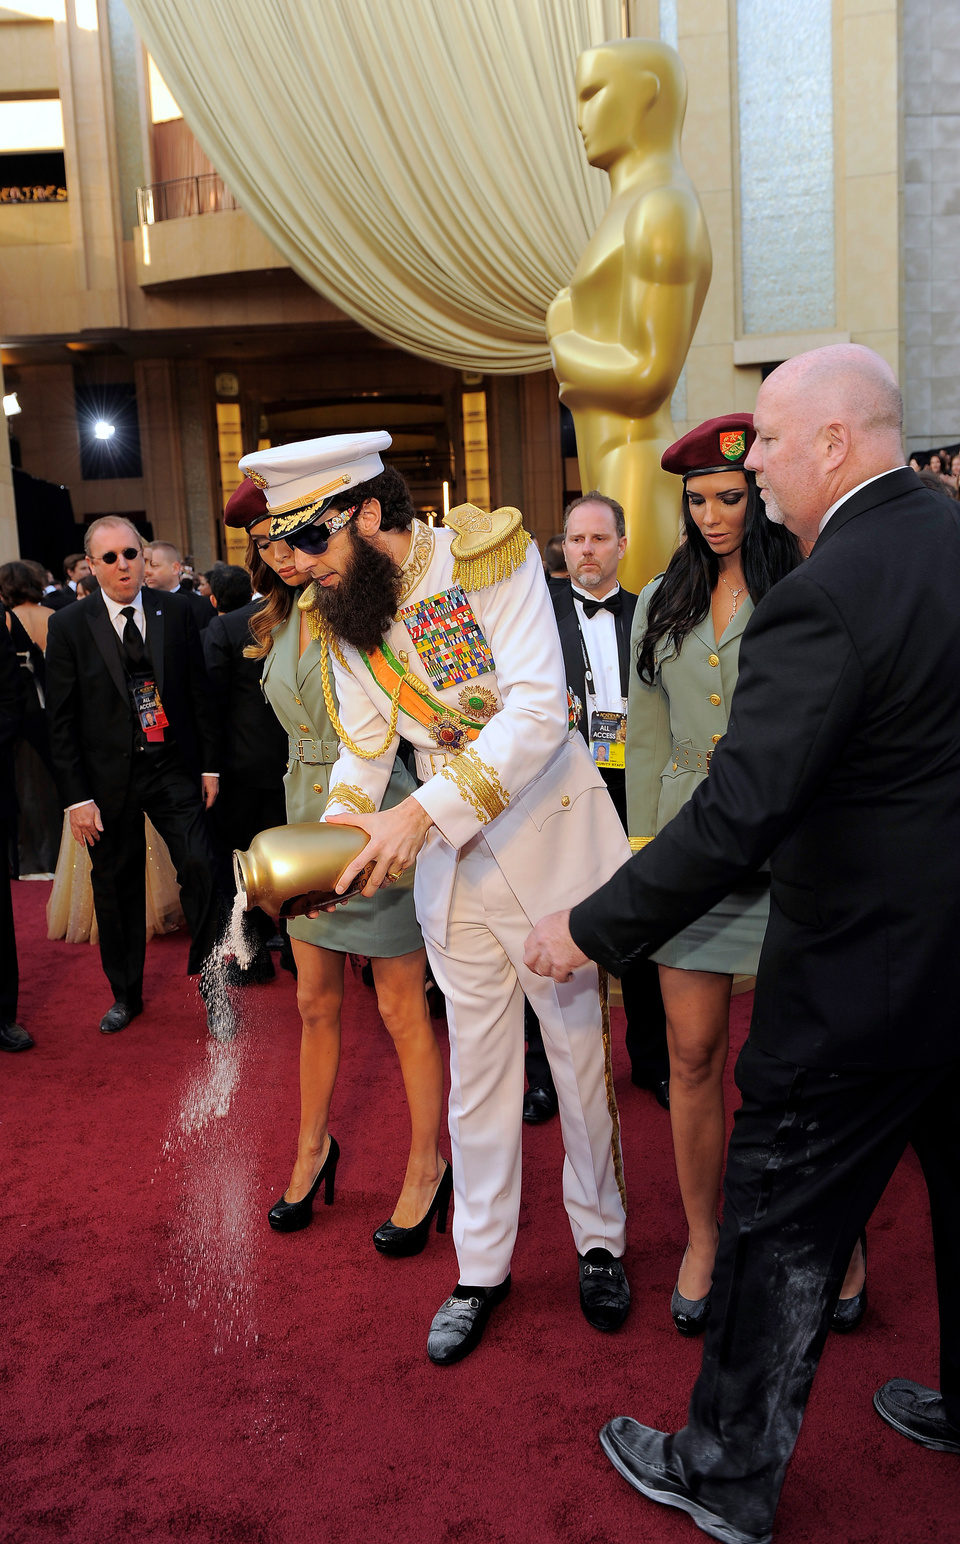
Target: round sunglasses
<point x="314" y="539"/>
<point x="111" y="557"/>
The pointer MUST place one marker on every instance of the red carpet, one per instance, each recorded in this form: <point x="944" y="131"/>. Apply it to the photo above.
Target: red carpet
<point x="172" y="1370"/>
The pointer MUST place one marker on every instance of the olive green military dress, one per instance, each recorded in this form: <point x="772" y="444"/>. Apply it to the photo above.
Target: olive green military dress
<point x="673" y="728"/>
<point x="386" y="924"/>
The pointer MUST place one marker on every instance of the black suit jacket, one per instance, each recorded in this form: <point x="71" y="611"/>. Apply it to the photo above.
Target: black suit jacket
<point x="841" y="764"/>
<point x="254" y="745"/>
<point x="89" y="713"/>
<point x="55" y="600"/>
<point x="203" y="612"/>
<point x="568" y="627"/>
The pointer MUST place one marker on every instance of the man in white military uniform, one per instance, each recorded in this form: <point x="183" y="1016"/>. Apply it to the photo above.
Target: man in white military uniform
<point x="447" y="637"/>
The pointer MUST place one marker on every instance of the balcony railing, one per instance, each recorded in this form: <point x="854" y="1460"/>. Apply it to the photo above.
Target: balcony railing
<point x="183" y="196"/>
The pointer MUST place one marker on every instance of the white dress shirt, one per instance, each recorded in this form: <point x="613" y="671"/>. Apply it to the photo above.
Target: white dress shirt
<point x="599" y="634"/>
<point x="119" y="621"/>
<point x="834" y="507"/>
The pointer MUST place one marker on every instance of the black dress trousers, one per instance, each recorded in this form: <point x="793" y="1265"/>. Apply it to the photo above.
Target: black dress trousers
<point x="811" y="1153"/>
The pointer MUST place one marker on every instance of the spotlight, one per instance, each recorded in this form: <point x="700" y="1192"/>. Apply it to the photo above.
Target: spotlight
<point x="11" y="405"/>
<point x="104" y="431"/>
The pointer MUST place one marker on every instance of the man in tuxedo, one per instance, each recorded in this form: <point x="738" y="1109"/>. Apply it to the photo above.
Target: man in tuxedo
<point x="132" y="731"/>
<point x="75" y="568"/>
<point x="841" y="765"/>
<point x="594" y="616"/>
<point x="164" y="565"/>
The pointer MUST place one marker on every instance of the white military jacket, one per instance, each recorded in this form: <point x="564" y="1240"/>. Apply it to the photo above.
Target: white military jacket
<point x="520" y="773"/>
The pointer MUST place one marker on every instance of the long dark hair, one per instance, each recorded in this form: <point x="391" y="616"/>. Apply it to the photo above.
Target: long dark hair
<point x="277" y="603"/>
<point x="682" y="599"/>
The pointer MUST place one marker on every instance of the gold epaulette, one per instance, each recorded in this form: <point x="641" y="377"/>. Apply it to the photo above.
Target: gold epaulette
<point x="638" y="843"/>
<point x="486" y="548"/>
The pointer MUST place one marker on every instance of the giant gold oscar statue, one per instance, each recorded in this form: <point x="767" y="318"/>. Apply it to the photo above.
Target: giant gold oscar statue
<point x="620" y="331"/>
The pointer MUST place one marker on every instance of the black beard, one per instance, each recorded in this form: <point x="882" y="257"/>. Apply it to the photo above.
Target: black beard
<point x="362" y="606"/>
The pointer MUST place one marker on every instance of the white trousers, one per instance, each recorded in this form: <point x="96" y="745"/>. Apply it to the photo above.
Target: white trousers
<point x="481" y="973"/>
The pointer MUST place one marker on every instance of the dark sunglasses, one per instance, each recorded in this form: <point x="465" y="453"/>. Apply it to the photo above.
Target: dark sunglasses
<point x="314" y="539"/>
<point x="111" y="557"/>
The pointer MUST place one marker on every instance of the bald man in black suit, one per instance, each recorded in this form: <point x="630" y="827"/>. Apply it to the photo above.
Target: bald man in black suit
<point x="841" y="766"/>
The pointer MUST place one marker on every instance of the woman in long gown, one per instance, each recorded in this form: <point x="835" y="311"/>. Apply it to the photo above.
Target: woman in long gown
<point x="384" y="928"/>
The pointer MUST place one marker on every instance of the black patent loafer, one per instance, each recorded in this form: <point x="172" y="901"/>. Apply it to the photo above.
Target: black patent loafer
<point x="604" y="1289"/>
<point x="459" y="1323"/>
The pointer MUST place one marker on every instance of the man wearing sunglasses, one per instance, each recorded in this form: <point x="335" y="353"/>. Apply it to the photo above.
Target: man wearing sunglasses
<point x="132" y="732"/>
<point x="447" y="637"/>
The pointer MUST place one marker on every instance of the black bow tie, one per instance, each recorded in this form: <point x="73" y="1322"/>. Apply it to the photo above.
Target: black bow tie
<point x="613" y="603"/>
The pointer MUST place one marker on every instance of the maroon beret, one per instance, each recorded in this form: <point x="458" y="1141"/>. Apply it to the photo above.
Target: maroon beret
<point x="718" y="444"/>
<point x="245" y="506"/>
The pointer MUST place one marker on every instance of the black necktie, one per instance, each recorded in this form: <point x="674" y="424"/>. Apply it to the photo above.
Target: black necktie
<point x="613" y="603"/>
<point x="133" y="650"/>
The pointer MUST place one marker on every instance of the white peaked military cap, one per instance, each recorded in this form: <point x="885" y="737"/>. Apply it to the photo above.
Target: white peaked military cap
<point x="300" y="480"/>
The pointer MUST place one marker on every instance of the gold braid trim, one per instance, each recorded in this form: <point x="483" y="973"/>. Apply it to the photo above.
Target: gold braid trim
<point x="608" y="1080"/>
<point x="308" y="603"/>
<point x="352" y="797"/>
<point x="478" y="785"/>
<point x="486" y="548"/>
<point x="638" y="843"/>
<point x="330" y="700"/>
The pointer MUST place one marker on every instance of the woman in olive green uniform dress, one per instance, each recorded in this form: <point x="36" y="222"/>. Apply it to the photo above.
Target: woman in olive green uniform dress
<point x="686" y="643"/>
<point x="383" y="928"/>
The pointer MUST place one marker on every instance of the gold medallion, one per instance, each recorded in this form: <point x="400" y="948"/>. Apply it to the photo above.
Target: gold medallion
<point x="478" y="702"/>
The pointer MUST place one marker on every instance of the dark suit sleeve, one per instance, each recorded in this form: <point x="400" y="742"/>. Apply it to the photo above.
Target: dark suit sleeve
<point x="63" y="715"/>
<point x="797" y="702"/>
<point x="201" y="696"/>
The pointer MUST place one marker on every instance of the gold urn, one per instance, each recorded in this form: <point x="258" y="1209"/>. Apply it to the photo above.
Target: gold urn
<point x="288" y="870"/>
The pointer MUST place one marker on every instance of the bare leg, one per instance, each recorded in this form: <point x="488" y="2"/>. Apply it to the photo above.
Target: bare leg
<point x="856" y="1273"/>
<point x="319" y="998"/>
<point x="697" y="1005"/>
<point x="403" y="1007"/>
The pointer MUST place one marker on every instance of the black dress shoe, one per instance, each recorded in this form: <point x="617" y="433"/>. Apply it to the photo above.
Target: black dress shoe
<point x="118" y="1017"/>
<point x="13" y="1037"/>
<point x="637" y="1452"/>
<point x="459" y="1323"/>
<point x="290" y="1216"/>
<point x="259" y="970"/>
<point x="659" y="1087"/>
<point x="539" y="1104"/>
<point x="604" y="1289"/>
<point x="849" y="1311"/>
<point x="918" y="1413"/>
<point x="401" y="1242"/>
<point x="221" y="1023"/>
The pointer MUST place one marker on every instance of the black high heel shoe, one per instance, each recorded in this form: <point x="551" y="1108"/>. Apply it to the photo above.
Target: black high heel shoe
<point x="290" y="1216"/>
<point x="400" y="1242"/>
<point x="689" y="1314"/>
<point x="849" y="1311"/>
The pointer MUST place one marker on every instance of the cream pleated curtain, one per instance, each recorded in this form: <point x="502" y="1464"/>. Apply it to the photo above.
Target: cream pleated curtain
<point x="416" y="161"/>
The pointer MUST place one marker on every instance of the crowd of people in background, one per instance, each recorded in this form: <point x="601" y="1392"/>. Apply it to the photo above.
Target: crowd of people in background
<point x="265" y="707"/>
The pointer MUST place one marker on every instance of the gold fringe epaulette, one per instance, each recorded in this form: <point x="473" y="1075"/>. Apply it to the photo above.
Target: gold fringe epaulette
<point x="486" y="548"/>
